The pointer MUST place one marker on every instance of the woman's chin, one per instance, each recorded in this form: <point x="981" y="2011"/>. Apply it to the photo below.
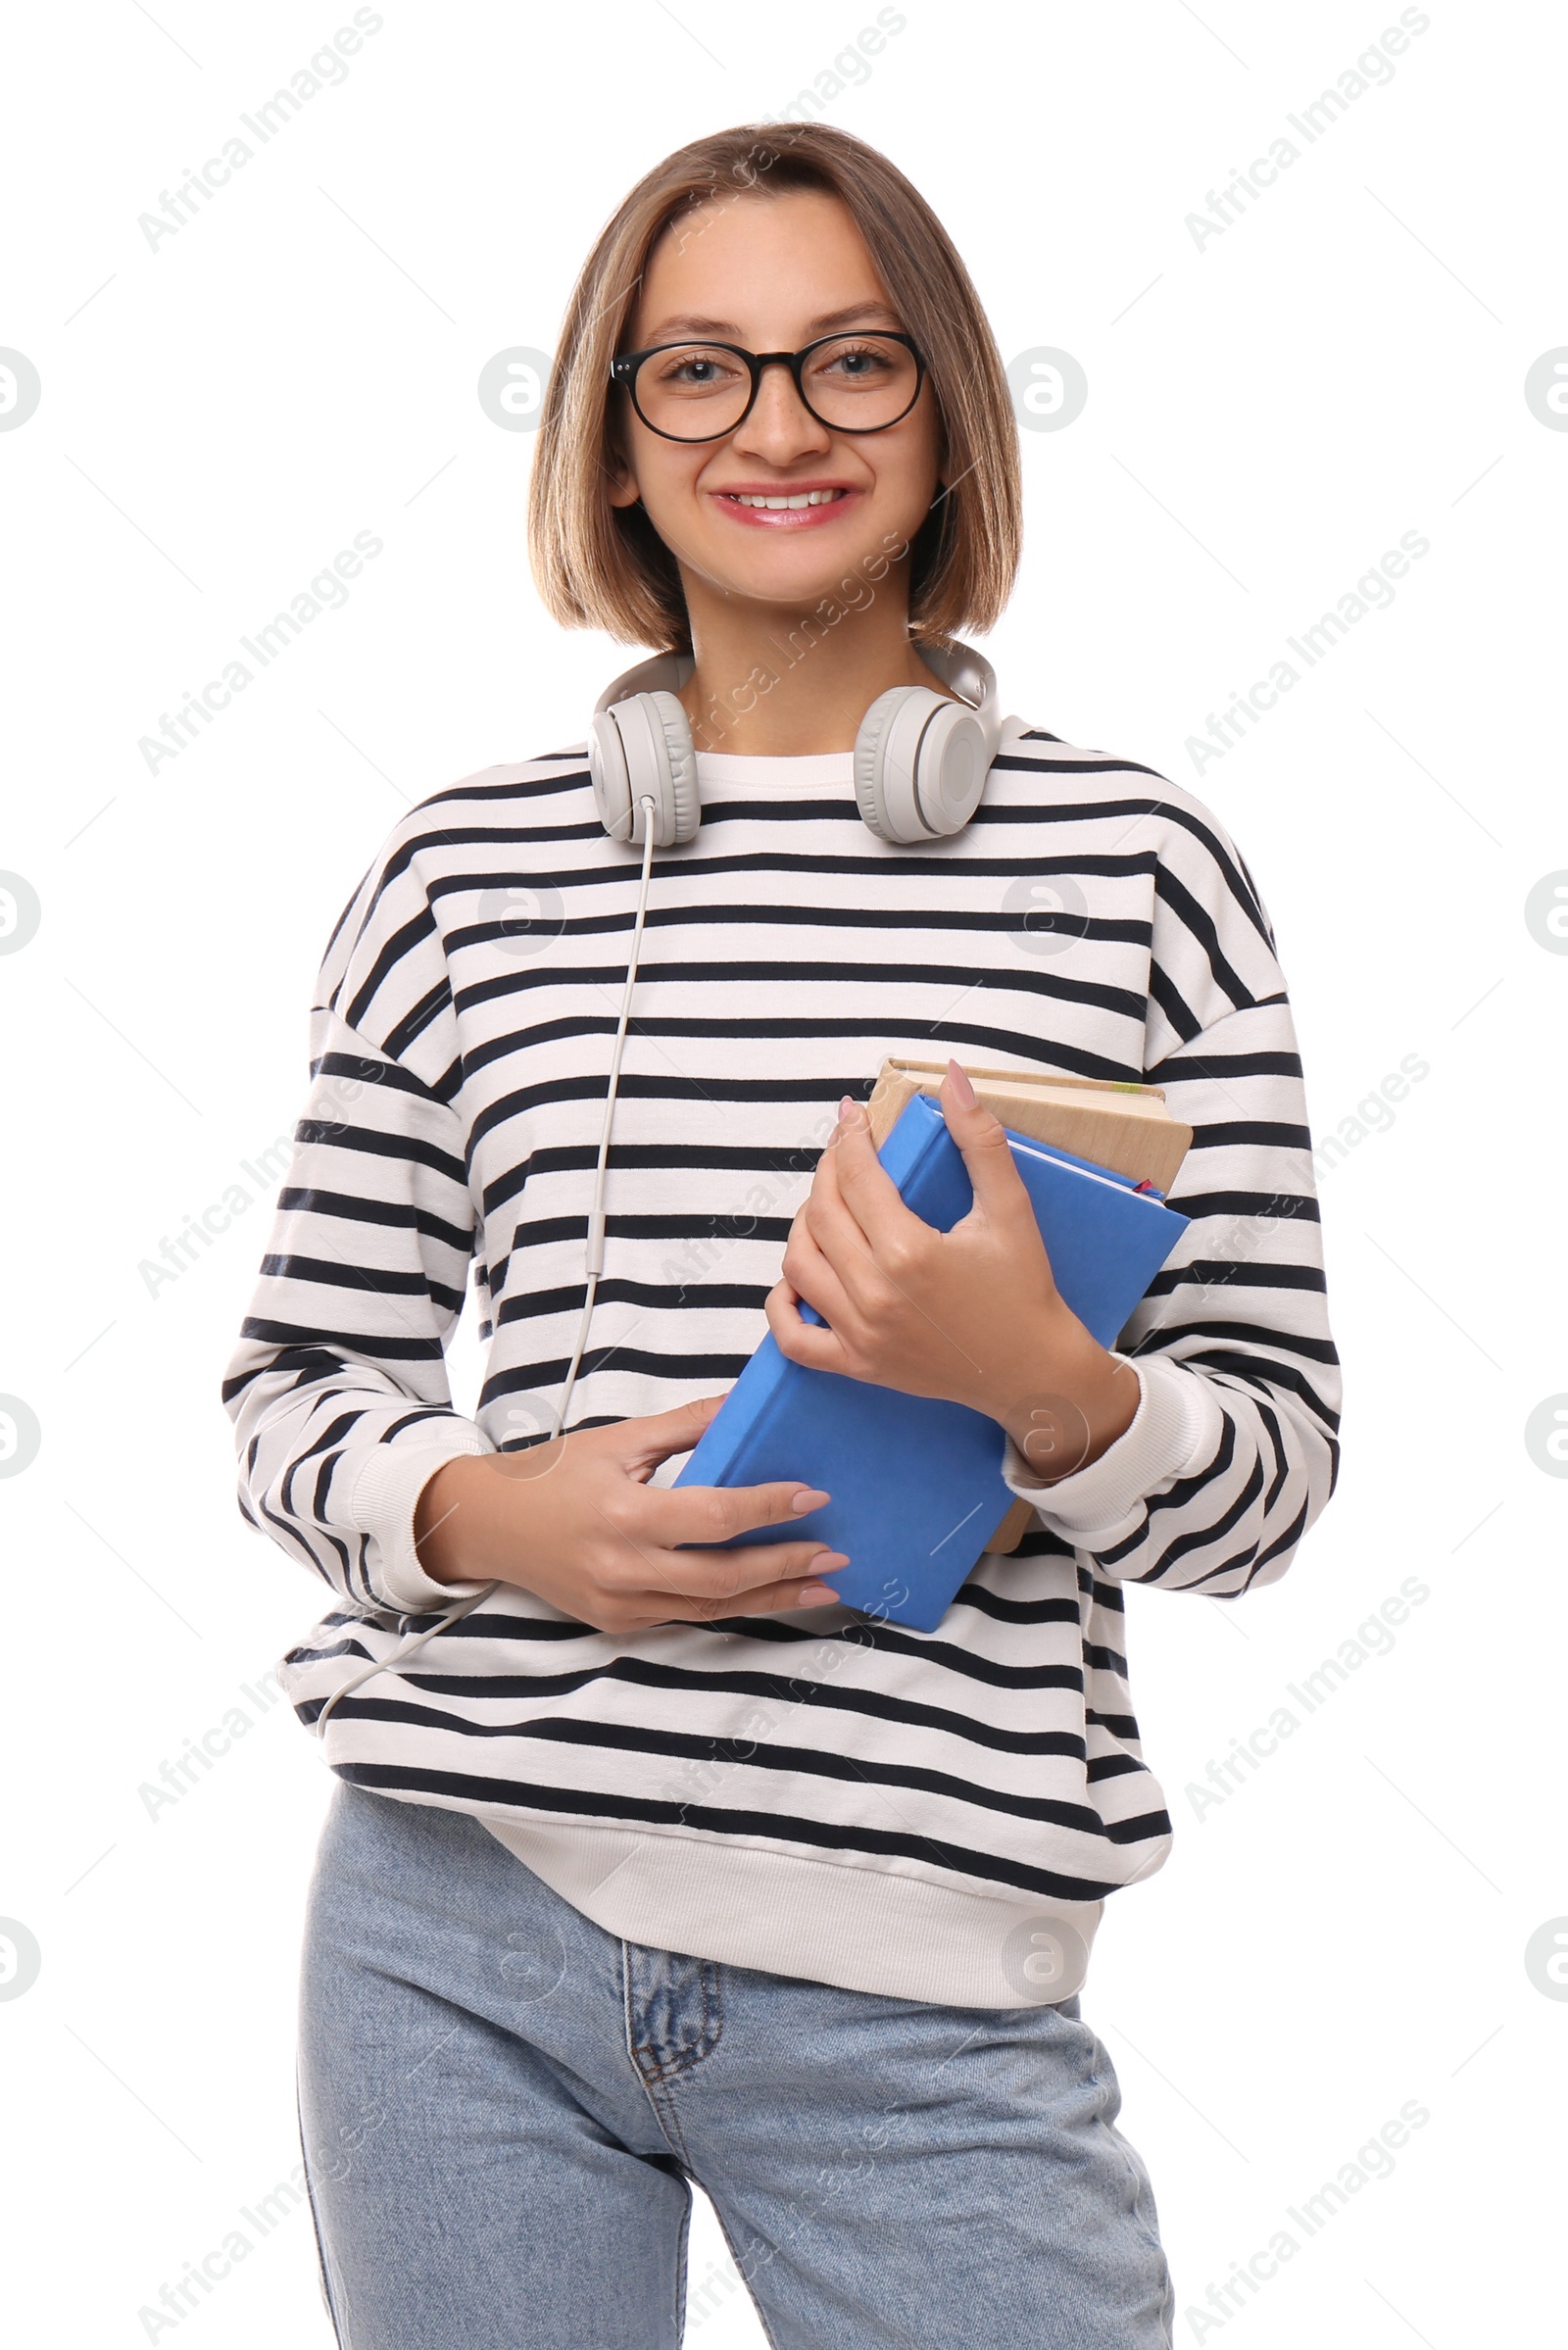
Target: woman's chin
<point x="795" y="576"/>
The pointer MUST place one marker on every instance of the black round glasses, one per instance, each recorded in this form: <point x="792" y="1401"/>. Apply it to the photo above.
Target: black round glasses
<point x="696" y="391"/>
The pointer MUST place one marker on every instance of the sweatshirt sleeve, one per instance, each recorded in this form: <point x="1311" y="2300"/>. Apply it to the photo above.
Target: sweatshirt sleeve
<point x="338" y="1389"/>
<point x="1233" y="1450"/>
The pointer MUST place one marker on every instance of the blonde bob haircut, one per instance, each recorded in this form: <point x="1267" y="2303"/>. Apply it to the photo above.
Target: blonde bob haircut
<point x="597" y="565"/>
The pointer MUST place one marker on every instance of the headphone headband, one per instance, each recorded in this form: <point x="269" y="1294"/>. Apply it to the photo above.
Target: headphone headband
<point x="665" y="672"/>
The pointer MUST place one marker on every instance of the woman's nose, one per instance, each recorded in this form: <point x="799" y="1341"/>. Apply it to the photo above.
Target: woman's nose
<point x="780" y="420"/>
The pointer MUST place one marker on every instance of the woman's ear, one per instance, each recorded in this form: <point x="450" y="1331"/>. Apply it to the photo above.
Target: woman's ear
<point x="623" y="490"/>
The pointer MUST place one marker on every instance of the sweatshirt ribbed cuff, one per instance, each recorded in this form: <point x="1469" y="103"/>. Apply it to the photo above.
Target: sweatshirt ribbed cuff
<point x="1177" y="1423"/>
<point x="382" y="1498"/>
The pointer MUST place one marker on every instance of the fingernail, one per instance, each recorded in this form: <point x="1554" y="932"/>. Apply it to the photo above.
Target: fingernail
<point x="816" y="1594"/>
<point x="809" y="1498"/>
<point x="826" y="1562"/>
<point x="968" y="1099"/>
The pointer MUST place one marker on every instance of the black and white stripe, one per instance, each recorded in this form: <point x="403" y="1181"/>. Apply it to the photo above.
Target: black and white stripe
<point x="457" y="1083"/>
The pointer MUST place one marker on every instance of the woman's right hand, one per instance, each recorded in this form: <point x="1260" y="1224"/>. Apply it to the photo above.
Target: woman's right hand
<point x="576" y="1522"/>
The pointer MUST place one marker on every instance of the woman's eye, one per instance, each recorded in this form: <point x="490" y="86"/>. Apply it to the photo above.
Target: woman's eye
<point x="697" y="370"/>
<point x="856" y="365"/>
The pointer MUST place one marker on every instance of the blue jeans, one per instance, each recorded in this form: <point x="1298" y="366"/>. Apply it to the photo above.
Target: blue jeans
<point x="501" y="2106"/>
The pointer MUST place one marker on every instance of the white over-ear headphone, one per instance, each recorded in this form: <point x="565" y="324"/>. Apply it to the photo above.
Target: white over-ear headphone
<point x="920" y="760"/>
<point x="920" y="766"/>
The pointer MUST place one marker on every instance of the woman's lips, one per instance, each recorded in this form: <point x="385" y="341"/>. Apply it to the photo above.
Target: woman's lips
<point x="783" y="517"/>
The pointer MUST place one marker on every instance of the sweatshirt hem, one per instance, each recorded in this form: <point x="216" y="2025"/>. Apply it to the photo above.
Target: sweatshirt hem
<point x="857" y="1928"/>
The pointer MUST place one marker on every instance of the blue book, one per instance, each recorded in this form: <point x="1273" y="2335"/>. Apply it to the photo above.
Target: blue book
<point x="916" y="1483"/>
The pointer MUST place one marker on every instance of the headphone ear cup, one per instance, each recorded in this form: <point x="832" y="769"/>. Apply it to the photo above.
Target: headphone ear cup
<point x="920" y="766"/>
<point x="641" y="748"/>
<point x="607" y="772"/>
<point x="680" y="815"/>
<point x="873" y="763"/>
<point x="952" y="766"/>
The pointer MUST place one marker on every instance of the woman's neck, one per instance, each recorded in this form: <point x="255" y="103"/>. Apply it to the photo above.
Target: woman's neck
<point x="779" y="684"/>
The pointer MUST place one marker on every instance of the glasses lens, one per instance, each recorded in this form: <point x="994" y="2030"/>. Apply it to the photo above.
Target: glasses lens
<point x="693" y="391"/>
<point x="696" y="391"/>
<point x="859" y="381"/>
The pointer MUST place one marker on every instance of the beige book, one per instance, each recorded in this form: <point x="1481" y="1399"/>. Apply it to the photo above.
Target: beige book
<point x="1122" y="1126"/>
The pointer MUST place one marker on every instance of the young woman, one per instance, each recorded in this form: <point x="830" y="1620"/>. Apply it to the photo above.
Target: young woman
<point x="648" y="1859"/>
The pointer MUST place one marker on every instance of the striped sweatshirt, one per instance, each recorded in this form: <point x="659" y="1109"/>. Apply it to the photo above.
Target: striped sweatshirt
<point x="937" y="1816"/>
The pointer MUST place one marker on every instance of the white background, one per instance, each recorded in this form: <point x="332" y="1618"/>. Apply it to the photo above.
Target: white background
<point x="1267" y="412"/>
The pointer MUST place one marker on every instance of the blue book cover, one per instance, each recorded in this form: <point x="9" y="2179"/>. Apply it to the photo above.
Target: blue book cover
<point x="916" y="1483"/>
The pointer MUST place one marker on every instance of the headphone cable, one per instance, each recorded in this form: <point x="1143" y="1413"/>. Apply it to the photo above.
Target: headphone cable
<point x="593" y="1265"/>
<point x="594" y="1253"/>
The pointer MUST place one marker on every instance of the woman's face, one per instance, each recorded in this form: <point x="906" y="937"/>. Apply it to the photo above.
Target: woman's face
<point x="773" y="274"/>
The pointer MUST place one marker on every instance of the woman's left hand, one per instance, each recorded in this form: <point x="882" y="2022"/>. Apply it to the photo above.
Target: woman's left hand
<point x="972" y="1315"/>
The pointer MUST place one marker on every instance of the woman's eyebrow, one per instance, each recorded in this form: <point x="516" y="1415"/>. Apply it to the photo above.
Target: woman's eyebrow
<point x="688" y="322"/>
